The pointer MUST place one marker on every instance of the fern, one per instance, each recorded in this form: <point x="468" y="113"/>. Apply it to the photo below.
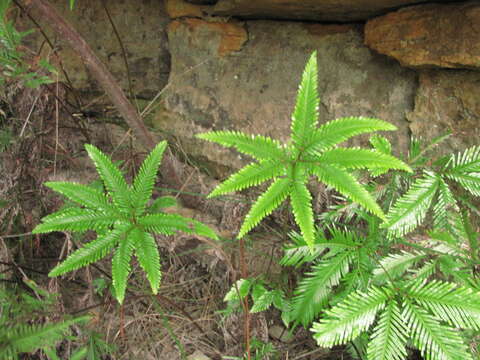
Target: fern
<point x="312" y="151"/>
<point x="122" y="218"/>
<point x="427" y="314"/>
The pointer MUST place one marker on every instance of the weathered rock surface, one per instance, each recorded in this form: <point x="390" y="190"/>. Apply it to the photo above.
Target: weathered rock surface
<point x="429" y="35"/>
<point x="447" y="100"/>
<point x="142" y="28"/>
<point x="319" y="10"/>
<point x="253" y="88"/>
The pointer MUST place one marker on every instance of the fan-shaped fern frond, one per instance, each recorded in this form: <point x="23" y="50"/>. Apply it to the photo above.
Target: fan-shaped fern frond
<point x="312" y="293"/>
<point x="337" y="131"/>
<point x="349" y="318"/>
<point x="257" y="146"/>
<point x="112" y="177"/>
<point x="91" y="252"/>
<point x="356" y="158"/>
<point x="394" y="265"/>
<point x="120" y="219"/>
<point x="145" y="179"/>
<point x="345" y="183"/>
<point x="266" y="203"/>
<point x="250" y="175"/>
<point x="459" y="306"/>
<point x="464" y="168"/>
<point x="389" y="337"/>
<point x="434" y="340"/>
<point x="305" y="115"/>
<point x="410" y="210"/>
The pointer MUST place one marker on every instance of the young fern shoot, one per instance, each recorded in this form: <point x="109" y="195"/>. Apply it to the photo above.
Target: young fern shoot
<point x="122" y="219"/>
<point x="312" y="151"/>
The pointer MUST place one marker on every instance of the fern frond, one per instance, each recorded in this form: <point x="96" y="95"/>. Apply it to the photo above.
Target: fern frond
<point x="27" y="338"/>
<point x="356" y="158"/>
<point x="305" y="115"/>
<point x="434" y="340"/>
<point x="75" y="219"/>
<point x="381" y="144"/>
<point x="410" y="210"/>
<point x="83" y="195"/>
<point x="389" y="337"/>
<point x="469" y="181"/>
<point x="457" y="305"/>
<point x="465" y="162"/>
<point x="111" y="176"/>
<point x="251" y="175"/>
<point x="145" y="179"/>
<point x="348" y="319"/>
<point x="426" y="270"/>
<point x="168" y="224"/>
<point x="257" y="146"/>
<point x="265" y="204"/>
<point x="161" y="203"/>
<point x="301" y="201"/>
<point x="347" y="185"/>
<point x="92" y="251"/>
<point x="442" y="209"/>
<point x="394" y="265"/>
<point x="337" y="131"/>
<point x="311" y="295"/>
<point x="121" y="264"/>
<point x="149" y="258"/>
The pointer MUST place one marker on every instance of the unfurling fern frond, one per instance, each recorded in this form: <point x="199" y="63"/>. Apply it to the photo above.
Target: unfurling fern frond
<point x="410" y="210"/>
<point x="313" y="149"/>
<point x="121" y="219"/>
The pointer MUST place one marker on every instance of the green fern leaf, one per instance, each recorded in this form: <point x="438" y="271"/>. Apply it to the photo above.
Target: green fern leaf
<point x="337" y="131"/>
<point x="381" y="144"/>
<point x="93" y="251"/>
<point x="83" y="195"/>
<point x="145" y="179"/>
<point x="121" y="264"/>
<point x="469" y="181"/>
<point x="305" y="115"/>
<point x="75" y="219"/>
<point x="394" y="265"/>
<point x="257" y="146"/>
<point x="168" y="224"/>
<point x="410" y="210"/>
<point x="262" y="302"/>
<point x="347" y="185"/>
<point x="465" y="162"/>
<point x="149" y="258"/>
<point x="301" y="201"/>
<point x="356" y="158"/>
<point x="442" y="209"/>
<point x="459" y="306"/>
<point x="434" y="340"/>
<point x="111" y="176"/>
<point x="389" y="337"/>
<point x="312" y="293"/>
<point x="250" y="175"/>
<point x="350" y="318"/>
<point x="161" y="203"/>
<point x="265" y="204"/>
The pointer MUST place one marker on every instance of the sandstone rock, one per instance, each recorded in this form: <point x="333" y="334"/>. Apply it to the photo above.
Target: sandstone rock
<point x="447" y="100"/>
<point x="254" y="88"/>
<point x="320" y="10"/>
<point x="142" y="29"/>
<point x="429" y="35"/>
<point x="181" y="8"/>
